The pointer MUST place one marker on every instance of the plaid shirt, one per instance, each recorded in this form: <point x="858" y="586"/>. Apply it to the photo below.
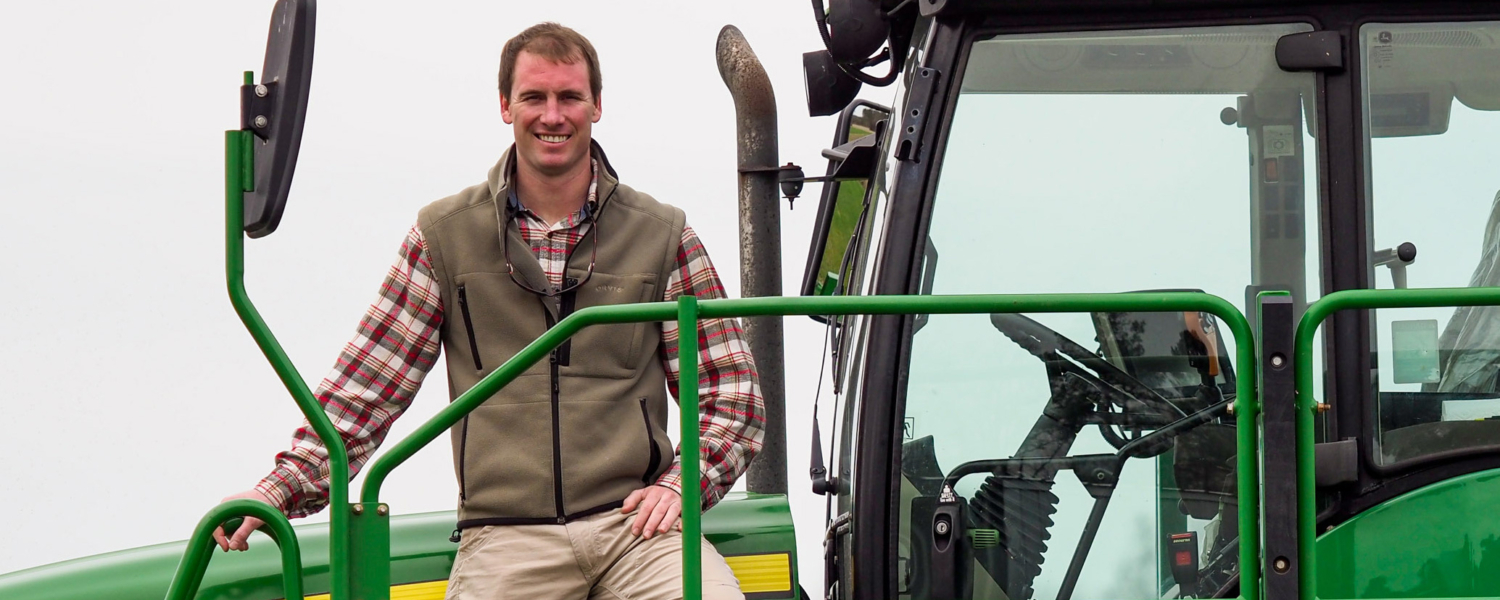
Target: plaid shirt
<point x="378" y="373"/>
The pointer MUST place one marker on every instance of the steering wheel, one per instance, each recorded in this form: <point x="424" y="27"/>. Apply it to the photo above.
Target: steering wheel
<point x="1047" y="344"/>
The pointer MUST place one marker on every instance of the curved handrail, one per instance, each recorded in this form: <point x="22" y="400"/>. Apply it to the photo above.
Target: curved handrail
<point x="688" y="310"/>
<point x="200" y="547"/>
<point x="1307" y="328"/>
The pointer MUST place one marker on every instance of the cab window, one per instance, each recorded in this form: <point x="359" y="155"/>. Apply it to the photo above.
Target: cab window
<point x="1101" y="162"/>
<point x="1431" y="96"/>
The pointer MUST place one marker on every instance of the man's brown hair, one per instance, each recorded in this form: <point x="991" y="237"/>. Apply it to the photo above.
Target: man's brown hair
<point x="552" y="42"/>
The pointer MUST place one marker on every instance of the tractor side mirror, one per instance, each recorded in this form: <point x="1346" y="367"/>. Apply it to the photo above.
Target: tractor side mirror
<point x="274" y="109"/>
<point x="853" y="165"/>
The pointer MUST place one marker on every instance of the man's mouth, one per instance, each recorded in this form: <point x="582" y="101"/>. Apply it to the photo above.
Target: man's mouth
<point x="554" y="139"/>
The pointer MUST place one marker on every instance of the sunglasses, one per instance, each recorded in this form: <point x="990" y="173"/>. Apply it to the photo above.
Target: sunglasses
<point x="569" y="284"/>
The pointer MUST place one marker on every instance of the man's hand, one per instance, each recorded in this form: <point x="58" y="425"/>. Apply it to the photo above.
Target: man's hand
<point x="659" y="507"/>
<point x="240" y="539"/>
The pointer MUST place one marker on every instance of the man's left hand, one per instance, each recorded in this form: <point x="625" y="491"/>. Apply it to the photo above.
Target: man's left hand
<point x="657" y="508"/>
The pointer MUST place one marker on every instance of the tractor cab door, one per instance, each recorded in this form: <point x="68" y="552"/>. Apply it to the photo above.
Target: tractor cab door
<point x="1089" y="455"/>
<point x="1165" y="159"/>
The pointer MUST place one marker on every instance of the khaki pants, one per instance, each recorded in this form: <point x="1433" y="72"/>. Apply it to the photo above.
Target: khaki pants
<point x="593" y="558"/>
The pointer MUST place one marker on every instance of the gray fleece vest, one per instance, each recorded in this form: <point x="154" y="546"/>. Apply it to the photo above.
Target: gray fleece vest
<point x="577" y="432"/>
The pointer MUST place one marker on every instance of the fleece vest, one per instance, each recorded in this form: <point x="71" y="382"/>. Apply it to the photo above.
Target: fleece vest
<point x="577" y="432"/>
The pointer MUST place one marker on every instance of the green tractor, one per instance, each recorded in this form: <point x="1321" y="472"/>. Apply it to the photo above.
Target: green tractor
<point x="1290" y="157"/>
<point x="1208" y="376"/>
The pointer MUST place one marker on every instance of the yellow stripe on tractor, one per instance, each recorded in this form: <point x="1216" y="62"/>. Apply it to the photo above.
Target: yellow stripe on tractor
<point x="427" y="590"/>
<point x="762" y="572"/>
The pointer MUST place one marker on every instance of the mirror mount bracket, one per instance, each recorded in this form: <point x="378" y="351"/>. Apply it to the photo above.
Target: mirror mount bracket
<point x="257" y="104"/>
<point x="856" y="160"/>
<point x="790" y="177"/>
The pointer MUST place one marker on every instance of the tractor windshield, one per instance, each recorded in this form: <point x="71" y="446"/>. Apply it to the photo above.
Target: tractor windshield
<point x="1432" y="113"/>
<point x="1092" y="453"/>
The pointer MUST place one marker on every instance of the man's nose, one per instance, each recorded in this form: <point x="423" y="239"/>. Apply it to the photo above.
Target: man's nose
<point x="553" y="113"/>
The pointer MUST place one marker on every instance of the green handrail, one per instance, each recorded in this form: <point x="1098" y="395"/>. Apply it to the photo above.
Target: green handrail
<point x="237" y="180"/>
<point x="688" y="313"/>
<point x="688" y="310"/>
<point x="1246" y="407"/>
<point x="200" y="548"/>
<point x="1317" y="312"/>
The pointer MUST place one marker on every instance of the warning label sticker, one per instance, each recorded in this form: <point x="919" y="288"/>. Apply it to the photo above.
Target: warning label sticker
<point x="1381" y="52"/>
<point x="1280" y="140"/>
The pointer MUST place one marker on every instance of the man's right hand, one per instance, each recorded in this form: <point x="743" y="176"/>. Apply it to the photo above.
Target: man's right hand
<point x="240" y="539"/>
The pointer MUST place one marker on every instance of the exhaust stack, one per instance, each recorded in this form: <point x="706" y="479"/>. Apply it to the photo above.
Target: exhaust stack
<point x="760" y="241"/>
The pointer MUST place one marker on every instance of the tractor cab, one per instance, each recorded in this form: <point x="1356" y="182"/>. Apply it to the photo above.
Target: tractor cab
<point x="1058" y="147"/>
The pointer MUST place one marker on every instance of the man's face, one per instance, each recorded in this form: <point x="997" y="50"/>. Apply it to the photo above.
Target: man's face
<point x="552" y="112"/>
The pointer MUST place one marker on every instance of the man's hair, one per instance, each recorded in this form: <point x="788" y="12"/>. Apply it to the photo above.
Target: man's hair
<point x="555" y="43"/>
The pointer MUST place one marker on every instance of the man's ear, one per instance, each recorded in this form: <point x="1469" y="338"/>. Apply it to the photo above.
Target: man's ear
<point x="505" y="110"/>
<point x="598" y="106"/>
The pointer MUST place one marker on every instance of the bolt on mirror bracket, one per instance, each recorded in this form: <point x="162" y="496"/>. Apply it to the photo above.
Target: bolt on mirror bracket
<point x="257" y="104"/>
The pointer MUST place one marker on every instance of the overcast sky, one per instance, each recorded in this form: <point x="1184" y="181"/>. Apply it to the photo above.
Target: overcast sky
<point x="135" y="400"/>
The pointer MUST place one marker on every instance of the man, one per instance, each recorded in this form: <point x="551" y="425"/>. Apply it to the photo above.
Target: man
<point x="568" y="487"/>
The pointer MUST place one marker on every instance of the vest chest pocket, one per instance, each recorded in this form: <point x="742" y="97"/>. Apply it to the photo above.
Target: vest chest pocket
<point x="490" y="319"/>
<point x="617" y="350"/>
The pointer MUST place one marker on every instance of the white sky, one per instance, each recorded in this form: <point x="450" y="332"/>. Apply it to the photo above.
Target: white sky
<point x="135" y="400"/>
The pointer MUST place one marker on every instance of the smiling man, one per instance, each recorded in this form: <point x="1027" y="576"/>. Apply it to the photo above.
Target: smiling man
<point x="569" y="486"/>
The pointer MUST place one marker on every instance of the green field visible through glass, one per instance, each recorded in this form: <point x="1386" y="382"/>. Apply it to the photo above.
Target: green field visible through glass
<point x="848" y="204"/>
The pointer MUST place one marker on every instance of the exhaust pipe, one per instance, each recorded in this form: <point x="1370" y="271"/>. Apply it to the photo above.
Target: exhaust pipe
<point x="760" y="242"/>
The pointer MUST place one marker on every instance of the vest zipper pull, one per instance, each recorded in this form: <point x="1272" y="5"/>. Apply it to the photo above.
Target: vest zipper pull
<point x="456" y="537"/>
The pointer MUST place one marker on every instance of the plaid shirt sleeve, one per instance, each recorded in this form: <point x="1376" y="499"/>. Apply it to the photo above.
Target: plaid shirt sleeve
<point x="731" y="413"/>
<point x="373" y="382"/>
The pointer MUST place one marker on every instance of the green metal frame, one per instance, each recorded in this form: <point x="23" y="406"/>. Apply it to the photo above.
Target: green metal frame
<point x="359" y="549"/>
<point x="200" y="547"/>
<point x="1307" y="403"/>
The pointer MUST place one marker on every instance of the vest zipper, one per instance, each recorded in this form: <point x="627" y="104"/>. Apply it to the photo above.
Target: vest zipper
<point x="557" y="475"/>
<point x="463" y="307"/>
<point x="463" y="435"/>
<point x="463" y="450"/>
<point x="650" y="441"/>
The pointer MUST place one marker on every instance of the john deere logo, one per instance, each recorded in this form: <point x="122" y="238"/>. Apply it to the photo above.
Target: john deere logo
<point x="1385" y="37"/>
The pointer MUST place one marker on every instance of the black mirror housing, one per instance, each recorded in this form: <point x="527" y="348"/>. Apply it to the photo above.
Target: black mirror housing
<point x="274" y="111"/>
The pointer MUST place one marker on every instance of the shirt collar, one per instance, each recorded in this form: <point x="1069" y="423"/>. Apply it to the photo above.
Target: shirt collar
<point x="590" y="203"/>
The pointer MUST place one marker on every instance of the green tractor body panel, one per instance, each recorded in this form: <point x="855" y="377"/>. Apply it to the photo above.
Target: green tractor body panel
<point x="1440" y="541"/>
<point x="753" y="531"/>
